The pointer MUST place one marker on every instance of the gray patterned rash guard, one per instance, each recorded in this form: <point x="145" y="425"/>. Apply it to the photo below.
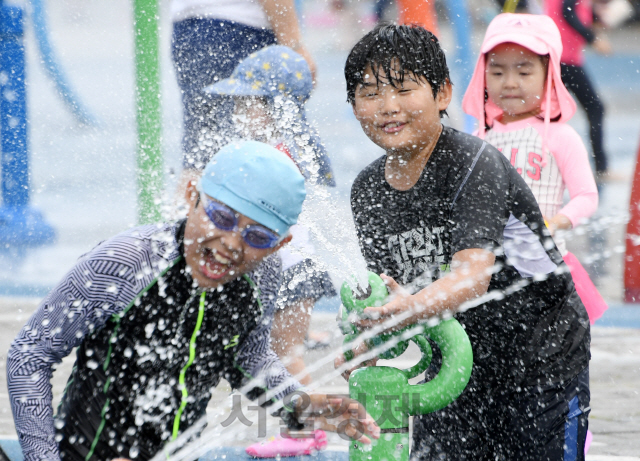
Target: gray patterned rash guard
<point x="134" y="313"/>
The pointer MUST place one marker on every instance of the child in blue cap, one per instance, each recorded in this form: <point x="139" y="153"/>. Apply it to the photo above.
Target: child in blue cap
<point x="270" y="88"/>
<point x="159" y="314"/>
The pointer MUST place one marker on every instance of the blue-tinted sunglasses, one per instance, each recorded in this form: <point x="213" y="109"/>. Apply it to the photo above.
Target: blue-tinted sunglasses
<point x="225" y="218"/>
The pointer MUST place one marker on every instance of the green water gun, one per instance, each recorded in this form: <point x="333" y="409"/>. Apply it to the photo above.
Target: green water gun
<point x="385" y="391"/>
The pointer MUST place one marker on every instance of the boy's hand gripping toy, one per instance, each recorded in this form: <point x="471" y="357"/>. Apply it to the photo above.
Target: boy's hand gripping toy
<point x="385" y="391"/>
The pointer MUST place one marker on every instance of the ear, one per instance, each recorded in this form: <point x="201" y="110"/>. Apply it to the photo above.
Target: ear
<point x="191" y="192"/>
<point x="443" y="98"/>
<point x="283" y="242"/>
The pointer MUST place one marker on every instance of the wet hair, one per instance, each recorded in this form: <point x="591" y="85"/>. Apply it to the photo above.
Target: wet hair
<point x="404" y="50"/>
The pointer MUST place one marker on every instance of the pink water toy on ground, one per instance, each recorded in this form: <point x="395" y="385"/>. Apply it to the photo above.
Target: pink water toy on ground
<point x="286" y="446"/>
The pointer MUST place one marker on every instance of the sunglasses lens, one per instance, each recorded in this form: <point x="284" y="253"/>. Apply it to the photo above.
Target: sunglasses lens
<point x="221" y="216"/>
<point x="259" y="237"/>
<point x="224" y="218"/>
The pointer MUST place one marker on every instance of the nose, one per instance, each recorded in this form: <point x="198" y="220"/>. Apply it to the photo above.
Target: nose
<point x="510" y="79"/>
<point x="390" y="104"/>
<point x="233" y="242"/>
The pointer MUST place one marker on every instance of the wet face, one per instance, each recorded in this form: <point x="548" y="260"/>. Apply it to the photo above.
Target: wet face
<point x="515" y="78"/>
<point x="216" y="256"/>
<point x="404" y="117"/>
<point x="252" y="117"/>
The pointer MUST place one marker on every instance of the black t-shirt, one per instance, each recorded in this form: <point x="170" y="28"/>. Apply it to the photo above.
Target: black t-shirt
<point x="532" y="326"/>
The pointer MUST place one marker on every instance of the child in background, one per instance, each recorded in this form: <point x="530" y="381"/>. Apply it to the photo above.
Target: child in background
<point x="269" y="89"/>
<point x="517" y="95"/>
<point x="210" y="38"/>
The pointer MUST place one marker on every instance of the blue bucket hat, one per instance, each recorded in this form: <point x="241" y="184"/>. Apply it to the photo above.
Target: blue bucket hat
<point x="258" y="181"/>
<point x="280" y="74"/>
<point x="272" y="71"/>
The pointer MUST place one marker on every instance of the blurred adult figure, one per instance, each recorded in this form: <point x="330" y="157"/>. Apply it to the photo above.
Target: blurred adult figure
<point x="380" y="8"/>
<point x="210" y="38"/>
<point x="574" y="18"/>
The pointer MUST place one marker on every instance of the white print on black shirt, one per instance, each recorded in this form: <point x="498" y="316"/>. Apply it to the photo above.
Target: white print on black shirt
<point x="418" y="252"/>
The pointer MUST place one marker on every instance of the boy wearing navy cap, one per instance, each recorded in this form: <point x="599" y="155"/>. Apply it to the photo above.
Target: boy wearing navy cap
<point x="161" y="313"/>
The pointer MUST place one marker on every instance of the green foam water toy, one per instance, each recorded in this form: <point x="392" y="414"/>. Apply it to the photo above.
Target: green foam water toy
<point x="385" y="391"/>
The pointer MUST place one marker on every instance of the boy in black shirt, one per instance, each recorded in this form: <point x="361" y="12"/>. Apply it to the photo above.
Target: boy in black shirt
<point x="454" y="229"/>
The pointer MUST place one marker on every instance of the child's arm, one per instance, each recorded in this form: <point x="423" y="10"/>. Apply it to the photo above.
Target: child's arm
<point x="326" y="411"/>
<point x="558" y="222"/>
<point x="569" y="14"/>
<point x="257" y="367"/>
<point x="281" y="15"/>
<point x="77" y="306"/>
<point x="339" y="414"/>
<point x="599" y="43"/>
<point x="261" y="370"/>
<point x="469" y="278"/>
<point x="573" y="163"/>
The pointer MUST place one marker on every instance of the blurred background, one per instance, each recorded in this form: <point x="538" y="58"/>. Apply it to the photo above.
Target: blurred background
<point x="83" y="175"/>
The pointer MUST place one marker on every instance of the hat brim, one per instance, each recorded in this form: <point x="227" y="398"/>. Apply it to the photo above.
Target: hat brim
<point x="229" y="87"/>
<point x="528" y="41"/>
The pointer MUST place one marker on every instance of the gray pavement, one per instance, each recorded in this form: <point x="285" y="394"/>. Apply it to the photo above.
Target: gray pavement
<point x="83" y="179"/>
<point x="614" y="377"/>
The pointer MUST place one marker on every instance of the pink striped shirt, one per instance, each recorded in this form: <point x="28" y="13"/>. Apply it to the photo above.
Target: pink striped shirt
<point x="567" y="166"/>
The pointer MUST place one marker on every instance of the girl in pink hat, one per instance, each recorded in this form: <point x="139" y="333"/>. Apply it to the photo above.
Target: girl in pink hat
<point x="522" y="106"/>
